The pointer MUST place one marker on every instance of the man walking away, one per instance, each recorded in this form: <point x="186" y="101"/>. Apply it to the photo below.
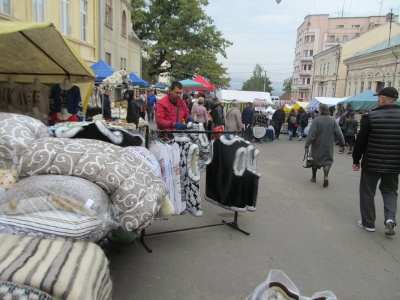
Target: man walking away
<point x="248" y="121"/>
<point x="278" y="118"/>
<point x="378" y="144"/>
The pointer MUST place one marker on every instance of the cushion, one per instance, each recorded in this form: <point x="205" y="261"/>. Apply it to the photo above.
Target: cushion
<point x="64" y="269"/>
<point x="8" y="178"/>
<point x="56" y="223"/>
<point x="17" y="132"/>
<point x="57" y="192"/>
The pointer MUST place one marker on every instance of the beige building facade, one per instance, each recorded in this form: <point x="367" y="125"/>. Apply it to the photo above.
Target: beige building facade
<point x="318" y="33"/>
<point x="374" y="68"/>
<point x="97" y="29"/>
<point x="330" y="73"/>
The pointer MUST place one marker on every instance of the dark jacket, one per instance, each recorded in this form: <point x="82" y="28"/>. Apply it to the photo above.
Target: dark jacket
<point x="217" y="115"/>
<point x="279" y="116"/>
<point x="133" y="110"/>
<point x="248" y="116"/>
<point x="350" y="127"/>
<point x="106" y="107"/>
<point x="378" y="142"/>
<point x="302" y="119"/>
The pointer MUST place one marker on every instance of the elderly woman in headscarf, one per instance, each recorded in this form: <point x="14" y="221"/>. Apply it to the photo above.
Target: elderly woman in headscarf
<point x="323" y="133"/>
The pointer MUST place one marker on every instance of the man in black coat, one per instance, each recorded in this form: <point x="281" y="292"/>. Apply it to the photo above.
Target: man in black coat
<point x="278" y="118"/>
<point x="378" y="144"/>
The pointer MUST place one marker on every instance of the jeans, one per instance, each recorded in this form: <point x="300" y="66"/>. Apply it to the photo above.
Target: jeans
<point x="300" y="131"/>
<point x="290" y="132"/>
<point x="150" y="113"/>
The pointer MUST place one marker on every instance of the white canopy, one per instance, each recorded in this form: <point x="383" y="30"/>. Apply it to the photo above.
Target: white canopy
<point x="324" y="100"/>
<point x="243" y="96"/>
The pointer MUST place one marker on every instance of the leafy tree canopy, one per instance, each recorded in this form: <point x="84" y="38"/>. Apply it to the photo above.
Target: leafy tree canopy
<point x="287" y="85"/>
<point x="258" y="81"/>
<point x="179" y="38"/>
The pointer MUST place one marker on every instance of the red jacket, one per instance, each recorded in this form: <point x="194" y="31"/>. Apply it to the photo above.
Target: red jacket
<point x="168" y="113"/>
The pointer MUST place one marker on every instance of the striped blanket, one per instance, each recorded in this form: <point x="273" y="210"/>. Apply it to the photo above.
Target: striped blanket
<point x="65" y="269"/>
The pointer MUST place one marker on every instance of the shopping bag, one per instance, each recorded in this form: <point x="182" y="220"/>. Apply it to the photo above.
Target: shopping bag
<point x="307" y="160"/>
<point x="218" y="128"/>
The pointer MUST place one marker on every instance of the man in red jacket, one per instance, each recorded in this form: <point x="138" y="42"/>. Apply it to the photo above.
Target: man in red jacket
<point x="172" y="112"/>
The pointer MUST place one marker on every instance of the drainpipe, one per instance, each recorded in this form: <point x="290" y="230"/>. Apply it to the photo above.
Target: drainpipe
<point x="395" y="66"/>
<point x="101" y="28"/>
<point x="337" y="70"/>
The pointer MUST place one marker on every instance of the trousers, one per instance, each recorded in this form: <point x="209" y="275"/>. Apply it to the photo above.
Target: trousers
<point x="388" y="186"/>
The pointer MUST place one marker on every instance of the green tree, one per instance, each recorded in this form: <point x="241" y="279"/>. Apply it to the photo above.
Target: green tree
<point x="179" y="38"/>
<point x="287" y="85"/>
<point x="259" y="81"/>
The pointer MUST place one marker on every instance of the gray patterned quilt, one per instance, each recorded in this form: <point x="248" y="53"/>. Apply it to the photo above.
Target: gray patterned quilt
<point x="135" y="189"/>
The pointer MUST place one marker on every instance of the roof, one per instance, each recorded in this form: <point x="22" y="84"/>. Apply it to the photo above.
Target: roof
<point x="394" y="41"/>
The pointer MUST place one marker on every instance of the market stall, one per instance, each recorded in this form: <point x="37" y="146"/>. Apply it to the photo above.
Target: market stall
<point x="38" y="51"/>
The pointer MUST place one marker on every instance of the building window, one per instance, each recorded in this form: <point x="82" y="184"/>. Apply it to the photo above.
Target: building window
<point x="355" y="89"/>
<point x="38" y="10"/>
<point x="307" y="67"/>
<point x="123" y="63"/>
<point x="309" y="38"/>
<point x="65" y="28"/>
<point x="123" y="23"/>
<point x="84" y="20"/>
<point x="362" y="86"/>
<point x="108" y="58"/>
<point x="339" y="26"/>
<point x="308" y="52"/>
<point x="5" y="7"/>
<point x="349" y="90"/>
<point x="345" y="38"/>
<point x="369" y="85"/>
<point x="109" y="13"/>
<point x="306" y="80"/>
<point x="389" y="83"/>
<point x="355" y="26"/>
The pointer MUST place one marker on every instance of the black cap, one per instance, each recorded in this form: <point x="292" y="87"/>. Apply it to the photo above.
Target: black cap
<point x="215" y="99"/>
<point x="390" y="92"/>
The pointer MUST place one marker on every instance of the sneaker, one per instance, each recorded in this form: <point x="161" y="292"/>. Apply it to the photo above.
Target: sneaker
<point x="340" y="152"/>
<point x="389" y="227"/>
<point x="300" y="138"/>
<point x="350" y="152"/>
<point x="370" y="229"/>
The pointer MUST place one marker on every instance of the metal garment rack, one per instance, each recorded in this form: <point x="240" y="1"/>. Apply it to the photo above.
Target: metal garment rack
<point x="234" y="224"/>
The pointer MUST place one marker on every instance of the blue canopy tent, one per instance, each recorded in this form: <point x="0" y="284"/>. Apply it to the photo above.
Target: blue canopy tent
<point x="136" y="80"/>
<point x="362" y="101"/>
<point x="160" y="86"/>
<point x="102" y="70"/>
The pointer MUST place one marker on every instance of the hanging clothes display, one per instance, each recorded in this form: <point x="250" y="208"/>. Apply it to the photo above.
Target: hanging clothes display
<point x="232" y="177"/>
<point x="190" y="175"/>
<point x="70" y="99"/>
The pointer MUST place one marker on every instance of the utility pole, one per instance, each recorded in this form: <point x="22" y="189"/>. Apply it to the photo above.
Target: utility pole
<point x="265" y="78"/>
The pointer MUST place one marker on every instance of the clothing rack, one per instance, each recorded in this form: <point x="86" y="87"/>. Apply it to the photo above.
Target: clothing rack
<point x="234" y="224"/>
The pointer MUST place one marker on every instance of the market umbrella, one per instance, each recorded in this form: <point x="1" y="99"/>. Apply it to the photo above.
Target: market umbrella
<point x="102" y="70"/>
<point x="188" y="83"/>
<point x="136" y="80"/>
<point x="202" y="80"/>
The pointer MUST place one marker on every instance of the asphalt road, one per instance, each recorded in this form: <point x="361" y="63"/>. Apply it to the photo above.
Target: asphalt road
<point x="307" y="231"/>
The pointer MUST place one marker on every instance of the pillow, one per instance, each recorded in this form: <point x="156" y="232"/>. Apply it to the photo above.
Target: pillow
<point x="8" y="178"/>
<point x="17" y="133"/>
<point x="56" y="223"/>
<point x="12" y="290"/>
<point x="60" y="192"/>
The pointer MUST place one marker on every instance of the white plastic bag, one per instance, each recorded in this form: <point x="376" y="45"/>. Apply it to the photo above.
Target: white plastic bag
<point x="278" y="286"/>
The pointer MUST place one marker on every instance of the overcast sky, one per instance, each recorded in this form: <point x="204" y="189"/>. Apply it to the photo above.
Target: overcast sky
<point x="264" y="32"/>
